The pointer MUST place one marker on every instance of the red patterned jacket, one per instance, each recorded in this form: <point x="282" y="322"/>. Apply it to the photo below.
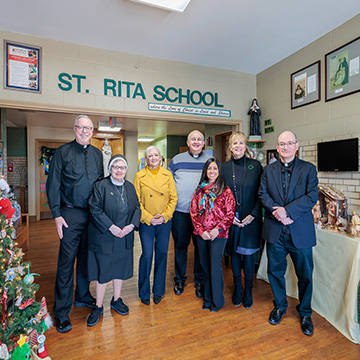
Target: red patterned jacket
<point x="221" y="216"/>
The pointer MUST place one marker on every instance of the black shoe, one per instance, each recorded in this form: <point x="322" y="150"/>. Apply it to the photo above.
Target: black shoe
<point x="119" y="306"/>
<point x="94" y="316"/>
<point x="248" y="299"/>
<point x="89" y="303"/>
<point x="206" y="307"/>
<point x="307" y="326"/>
<point x="145" y="301"/>
<point x="179" y="288"/>
<point x="276" y="316"/>
<point x="63" y="324"/>
<point x="199" y="290"/>
<point x="156" y="299"/>
<point x="236" y="299"/>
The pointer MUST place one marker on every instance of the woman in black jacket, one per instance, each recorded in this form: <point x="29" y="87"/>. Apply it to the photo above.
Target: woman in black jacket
<point x="242" y="175"/>
<point x="115" y="214"/>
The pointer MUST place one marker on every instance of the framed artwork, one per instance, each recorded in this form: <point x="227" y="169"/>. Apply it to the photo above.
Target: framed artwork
<point x="271" y="156"/>
<point x="305" y="86"/>
<point x="22" y="67"/>
<point x="342" y="75"/>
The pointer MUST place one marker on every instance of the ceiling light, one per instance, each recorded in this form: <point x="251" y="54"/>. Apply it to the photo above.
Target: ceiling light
<point x="146" y="139"/>
<point x="175" y="5"/>
<point x="109" y="125"/>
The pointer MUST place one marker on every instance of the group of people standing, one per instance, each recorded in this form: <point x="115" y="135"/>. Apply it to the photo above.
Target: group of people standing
<point x="218" y="206"/>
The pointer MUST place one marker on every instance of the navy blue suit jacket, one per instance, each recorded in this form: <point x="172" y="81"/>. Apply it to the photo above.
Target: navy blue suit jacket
<point x="302" y="196"/>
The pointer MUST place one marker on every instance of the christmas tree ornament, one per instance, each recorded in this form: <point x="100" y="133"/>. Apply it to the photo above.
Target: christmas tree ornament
<point x="4" y="302"/>
<point x="4" y="352"/>
<point x="26" y="303"/>
<point x="11" y="254"/>
<point x="29" y="278"/>
<point x="10" y="274"/>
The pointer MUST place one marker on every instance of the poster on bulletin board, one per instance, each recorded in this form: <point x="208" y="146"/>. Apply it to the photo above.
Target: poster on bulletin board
<point x="22" y="67"/>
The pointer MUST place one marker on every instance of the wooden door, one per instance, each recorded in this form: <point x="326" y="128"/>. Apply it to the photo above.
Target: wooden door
<point x="42" y="206"/>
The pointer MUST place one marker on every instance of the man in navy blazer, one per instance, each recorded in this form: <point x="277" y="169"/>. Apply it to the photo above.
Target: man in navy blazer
<point x="288" y="191"/>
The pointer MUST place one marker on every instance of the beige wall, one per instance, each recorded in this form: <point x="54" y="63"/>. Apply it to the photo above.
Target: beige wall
<point x="235" y="90"/>
<point x="316" y="122"/>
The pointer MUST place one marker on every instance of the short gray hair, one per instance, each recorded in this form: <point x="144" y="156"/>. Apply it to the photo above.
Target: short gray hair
<point x="151" y="148"/>
<point x="188" y="138"/>
<point x="85" y="117"/>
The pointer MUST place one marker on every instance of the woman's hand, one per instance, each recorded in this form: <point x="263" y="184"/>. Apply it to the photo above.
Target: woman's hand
<point x="205" y="236"/>
<point x="247" y="220"/>
<point x="116" y="231"/>
<point x="214" y="234"/>
<point x="236" y="221"/>
<point x="128" y="229"/>
<point x="158" y="219"/>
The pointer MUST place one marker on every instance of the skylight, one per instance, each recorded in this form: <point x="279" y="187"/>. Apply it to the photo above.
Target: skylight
<point x="171" y="5"/>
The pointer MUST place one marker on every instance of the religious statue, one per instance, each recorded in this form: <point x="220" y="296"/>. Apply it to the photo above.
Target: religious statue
<point x="355" y="225"/>
<point x="107" y="152"/>
<point x="317" y="215"/>
<point x="255" y="113"/>
<point x="331" y="208"/>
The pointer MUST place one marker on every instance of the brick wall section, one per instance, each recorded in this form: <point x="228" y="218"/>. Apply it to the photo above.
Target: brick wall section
<point x="18" y="177"/>
<point x="346" y="182"/>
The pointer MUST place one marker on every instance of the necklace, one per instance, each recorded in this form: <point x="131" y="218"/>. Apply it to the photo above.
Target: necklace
<point x="121" y="193"/>
<point x="237" y="196"/>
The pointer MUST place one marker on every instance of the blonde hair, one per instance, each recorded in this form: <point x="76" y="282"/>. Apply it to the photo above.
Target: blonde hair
<point x="238" y="134"/>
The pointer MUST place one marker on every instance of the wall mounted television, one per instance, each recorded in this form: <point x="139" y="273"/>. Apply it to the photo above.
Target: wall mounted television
<point x="338" y="155"/>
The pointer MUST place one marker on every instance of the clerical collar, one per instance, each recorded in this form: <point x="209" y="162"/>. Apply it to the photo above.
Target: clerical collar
<point x="195" y="156"/>
<point x="288" y="165"/>
<point x="117" y="183"/>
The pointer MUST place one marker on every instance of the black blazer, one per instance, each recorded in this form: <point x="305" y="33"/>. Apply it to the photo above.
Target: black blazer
<point x="103" y="204"/>
<point x="302" y="196"/>
<point x="249" y="236"/>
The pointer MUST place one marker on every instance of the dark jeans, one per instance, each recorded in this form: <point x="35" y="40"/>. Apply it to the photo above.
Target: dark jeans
<point x="182" y="230"/>
<point x="277" y="264"/>
<point x="151" y="235"/>
<point x="73" y="246"/>
<point x="211" y="253"/>
<point x="247" y="262"/>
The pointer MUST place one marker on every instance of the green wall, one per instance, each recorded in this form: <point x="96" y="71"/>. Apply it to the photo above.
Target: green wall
<point x="16" y="142"/>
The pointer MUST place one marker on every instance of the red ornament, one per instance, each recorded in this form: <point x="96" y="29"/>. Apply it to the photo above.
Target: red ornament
<point x="6" y="208"/>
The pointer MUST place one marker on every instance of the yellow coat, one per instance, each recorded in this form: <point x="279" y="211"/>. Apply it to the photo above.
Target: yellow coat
<point x="157" y="195"/>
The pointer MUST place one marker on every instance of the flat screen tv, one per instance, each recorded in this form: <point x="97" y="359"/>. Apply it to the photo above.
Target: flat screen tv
<point x="339" y="155"/>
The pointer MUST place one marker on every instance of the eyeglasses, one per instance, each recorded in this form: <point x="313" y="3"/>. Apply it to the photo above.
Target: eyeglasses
<point x="81" y="128"/>
<point x="118" y="167"/>
<point x="289" y="143"/>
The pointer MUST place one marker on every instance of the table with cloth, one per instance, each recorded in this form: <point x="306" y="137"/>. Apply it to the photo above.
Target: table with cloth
<point x="336" y="280"/>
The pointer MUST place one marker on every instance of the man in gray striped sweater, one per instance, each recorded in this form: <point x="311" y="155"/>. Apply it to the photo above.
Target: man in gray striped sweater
<point x="186" y="169"/>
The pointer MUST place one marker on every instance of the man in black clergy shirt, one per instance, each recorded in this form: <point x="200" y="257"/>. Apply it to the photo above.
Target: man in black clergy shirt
<point x="288" y="191"/>
<point x="73" y="170"/>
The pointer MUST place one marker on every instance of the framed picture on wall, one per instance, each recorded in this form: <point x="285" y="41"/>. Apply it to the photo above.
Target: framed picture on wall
<point x="305" y="85"/>
<point x="271" y="156"/>
<point x="22" y="67"/>
<point x="342" y="75"/>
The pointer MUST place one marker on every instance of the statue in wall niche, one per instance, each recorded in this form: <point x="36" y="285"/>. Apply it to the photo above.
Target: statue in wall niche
<point x="107" y="152"/>
<point x="255" y="113"/>
<point x="355" y="225"/>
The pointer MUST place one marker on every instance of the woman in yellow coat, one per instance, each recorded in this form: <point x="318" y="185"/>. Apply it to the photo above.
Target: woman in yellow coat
<point x="155" y="188"/>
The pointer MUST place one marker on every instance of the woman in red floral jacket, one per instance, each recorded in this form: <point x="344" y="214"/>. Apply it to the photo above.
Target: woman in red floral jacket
<point x="212" y="212"/>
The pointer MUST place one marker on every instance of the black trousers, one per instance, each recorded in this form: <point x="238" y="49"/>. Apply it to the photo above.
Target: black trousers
<point x="182" y="231"/>
<point x="73" y="246"/>
<point x="211" y="253"/>
<point x="304" y="266"/>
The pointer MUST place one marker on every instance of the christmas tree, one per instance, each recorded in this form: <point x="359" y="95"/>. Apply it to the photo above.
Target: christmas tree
<point x="23" y="320"/>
